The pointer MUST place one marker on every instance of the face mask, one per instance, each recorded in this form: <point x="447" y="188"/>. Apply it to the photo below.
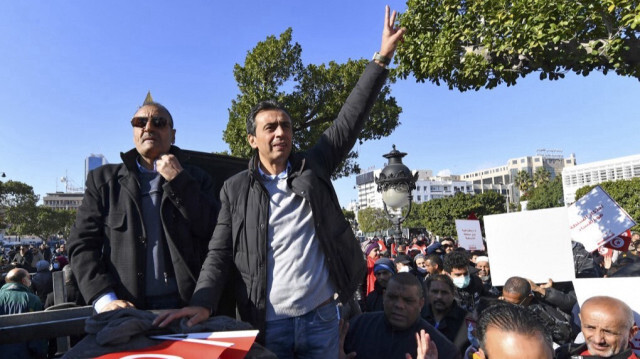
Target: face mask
<point x="404" y="269"/>
<point x="462" y="282"/>
<point x="484" y="278"/>
<point x="422" y="270"/>
<point x="55" y="266"/>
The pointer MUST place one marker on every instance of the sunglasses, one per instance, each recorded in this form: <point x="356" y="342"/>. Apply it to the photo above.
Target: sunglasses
<point x="157" y="122"/>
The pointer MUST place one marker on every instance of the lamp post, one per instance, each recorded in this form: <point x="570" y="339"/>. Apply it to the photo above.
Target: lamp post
<point x="396" y="183"/>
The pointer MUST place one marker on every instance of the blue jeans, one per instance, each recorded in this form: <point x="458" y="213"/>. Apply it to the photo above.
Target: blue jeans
<point x="312" y="335"/>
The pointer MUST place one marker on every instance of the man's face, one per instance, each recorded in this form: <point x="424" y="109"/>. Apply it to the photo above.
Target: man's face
<point x="274" y="133"/>
<point x="151" y="141"/>
<point x="402" y="305"/>
<point x="440" y="296"/>
<point x="447" y="246"/>
<point x="605" y="330"/>
<point x="382" y="277"/>
<point x="432" y="268"/>
<point x="511" y="345"/>
<point x="459" y="272"/>
<point x="399" y="266"/>
<point x="483" y="269"/>
<point x="421" y="263"/>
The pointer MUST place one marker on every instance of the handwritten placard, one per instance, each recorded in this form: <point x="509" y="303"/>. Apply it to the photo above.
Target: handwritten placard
<point x="596" y="218"/>
<point x="469" y="234"/>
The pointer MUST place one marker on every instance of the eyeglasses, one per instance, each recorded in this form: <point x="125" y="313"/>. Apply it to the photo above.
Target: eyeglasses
<point x="158" y="122"/>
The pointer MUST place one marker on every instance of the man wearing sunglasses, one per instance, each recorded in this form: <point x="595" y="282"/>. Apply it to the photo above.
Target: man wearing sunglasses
<point x="142" y="230"/>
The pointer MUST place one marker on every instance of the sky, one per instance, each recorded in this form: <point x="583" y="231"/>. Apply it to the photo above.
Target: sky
<point x="72" y="73"/>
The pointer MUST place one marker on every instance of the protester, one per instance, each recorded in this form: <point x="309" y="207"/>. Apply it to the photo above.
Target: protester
<point x="392" y="333"/>
<point x="285" y="207"/>
<point x="507" y="331"/>
<point x="42" y="281"/>
<point x="442" y="311"/>
<point x="469" y="287"/>
<point x="383" y="270"/>
<point x="607" y="326"/>
<point x="141" y="233"/>
<point x="16" y="297"/>
<point x="484" y="272"/>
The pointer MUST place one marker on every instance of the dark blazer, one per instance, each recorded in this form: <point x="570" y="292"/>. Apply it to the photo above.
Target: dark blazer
<point x="238" y="248"/>
<point x="107" y="242"/>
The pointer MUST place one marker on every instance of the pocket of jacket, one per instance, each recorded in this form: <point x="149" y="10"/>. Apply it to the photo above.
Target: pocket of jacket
<point x="116" y="220"/>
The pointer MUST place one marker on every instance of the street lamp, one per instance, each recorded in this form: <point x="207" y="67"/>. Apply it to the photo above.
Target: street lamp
<point x="396" y="183"/>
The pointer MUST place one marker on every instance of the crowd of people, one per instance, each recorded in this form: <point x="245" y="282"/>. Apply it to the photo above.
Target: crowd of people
<point x="460" y="301"/>
<point x="274" y="250"/>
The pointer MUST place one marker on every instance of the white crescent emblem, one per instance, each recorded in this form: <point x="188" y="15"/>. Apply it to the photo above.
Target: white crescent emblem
<point x="617" y="242"/>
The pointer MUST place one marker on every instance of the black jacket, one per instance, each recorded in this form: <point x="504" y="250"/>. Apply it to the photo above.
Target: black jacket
<point x="238" y="248"/>
<point x="371" y="336"/>
<point x="454" y="325"/>
<point x="107" y="242"/>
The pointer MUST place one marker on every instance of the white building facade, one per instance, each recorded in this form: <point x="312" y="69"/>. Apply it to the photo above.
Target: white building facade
<point x="590" y="174"/>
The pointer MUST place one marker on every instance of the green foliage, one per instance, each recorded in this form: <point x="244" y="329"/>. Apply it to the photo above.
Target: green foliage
<point x="312" y="94"/>
<point x="372" y="220"/>
<point x="349" y="215"/>
<point x="12" y="194"/>
<point x="546" y="195"/>
<point x="41" y="221"/>
<point x="523" y="181"/>
<point x="541" y="176"/>
<point x="475" y="44"/>
<point x="439" y="215"/>
<point x="625" y="192"/>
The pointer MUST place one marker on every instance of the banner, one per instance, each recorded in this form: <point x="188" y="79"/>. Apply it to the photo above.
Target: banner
<point x="596" y="219"/>
<point x="469" y="234"/>
<point x="532" y="244"/>
<point x="619" y="288"/>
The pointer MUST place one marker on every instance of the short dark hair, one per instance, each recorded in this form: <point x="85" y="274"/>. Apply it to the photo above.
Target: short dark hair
<point x="455" y="259"/>
<point x="435" y="259"/>
<point x="408" y="279"/>
<point x="440" y="278"/>
<point x="517" y="285"/>
<point x="161" y="107"/>
<point x="511" y="318"/>
<point x="262" y="106"/>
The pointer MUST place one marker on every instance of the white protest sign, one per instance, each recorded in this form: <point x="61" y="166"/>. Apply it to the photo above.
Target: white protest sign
<point x="532" y="244"/>
<point x="596" y="218"/>
<point x="620" y="288"/>
<point x="469" y="234"/>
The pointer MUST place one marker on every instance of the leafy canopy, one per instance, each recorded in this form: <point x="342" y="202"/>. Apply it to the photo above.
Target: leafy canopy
<point x="373" y="220"/>
<point x="484" y="43"/>
<point x="312" y="94"/>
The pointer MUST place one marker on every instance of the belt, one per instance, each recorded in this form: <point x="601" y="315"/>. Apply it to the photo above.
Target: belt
<point x="325" y="302"/>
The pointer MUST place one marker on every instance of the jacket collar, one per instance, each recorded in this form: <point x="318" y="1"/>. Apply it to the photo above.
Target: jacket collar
<point x="296" y="160"/>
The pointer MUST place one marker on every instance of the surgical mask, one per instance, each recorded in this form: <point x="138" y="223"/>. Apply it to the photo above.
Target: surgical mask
<point x="55" y="266"/>
<point x="404" y="269"/>
<point x="422" y="270"/>
<point x="484" y="278"/>
<point x="461" y="282"/>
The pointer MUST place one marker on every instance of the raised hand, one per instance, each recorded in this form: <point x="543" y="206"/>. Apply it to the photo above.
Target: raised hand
<point x="391" y="35"/>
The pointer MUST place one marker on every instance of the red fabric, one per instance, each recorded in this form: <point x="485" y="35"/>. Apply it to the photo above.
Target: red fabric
<point x="632" y="356"/>
<point x="394" y="251"/>
<point x="371" y="278"/>
<point x="382" y="245"/>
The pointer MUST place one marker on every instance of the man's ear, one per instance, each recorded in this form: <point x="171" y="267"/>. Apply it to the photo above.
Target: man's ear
<point x="633" y="331"/>
<point x="252" y="141"/>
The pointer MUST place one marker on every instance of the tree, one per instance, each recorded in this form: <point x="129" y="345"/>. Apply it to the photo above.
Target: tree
<point x="546" y="195"/>
<point x="523" y="181"/>
<point x="312" y="94"/>
<point x="475" y="44"/>
<point x="41" y="221"/>
<point x="625" y="192"/>
<point x="439" y="215"/>
<point x="373" y="219"/>
<point x="13" y="194"/>
<point x="541" y="176"/>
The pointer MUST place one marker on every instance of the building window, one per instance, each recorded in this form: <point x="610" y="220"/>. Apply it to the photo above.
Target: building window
<point x="418" y="198"/>
<point x="514" y="162"/>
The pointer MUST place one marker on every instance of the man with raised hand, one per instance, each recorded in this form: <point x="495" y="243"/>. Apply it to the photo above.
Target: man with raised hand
<point x="281" y="236"/>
